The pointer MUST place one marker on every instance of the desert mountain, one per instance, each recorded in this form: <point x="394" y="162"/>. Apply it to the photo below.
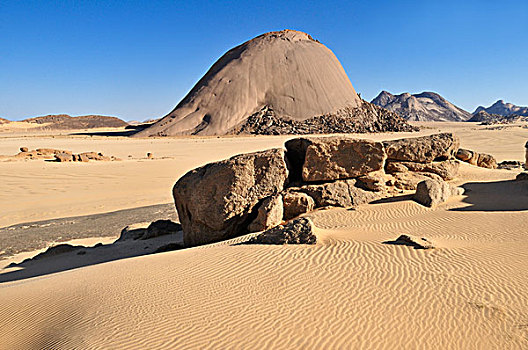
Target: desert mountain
<point x="64" y="121"/>
<point x="277" y="79"/>
<point x="504" y="109"/>
<point x="486" y="118"/>
<point x="427" y="106"/>
<point x="3" y="121"/>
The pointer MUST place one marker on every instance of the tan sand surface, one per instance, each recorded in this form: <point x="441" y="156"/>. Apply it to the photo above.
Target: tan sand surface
<point x="352" y="290"/>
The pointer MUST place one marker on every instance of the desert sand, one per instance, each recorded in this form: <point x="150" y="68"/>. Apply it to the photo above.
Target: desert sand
<point x="352" y="290"/>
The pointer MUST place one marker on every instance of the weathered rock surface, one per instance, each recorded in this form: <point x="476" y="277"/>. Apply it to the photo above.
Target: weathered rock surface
<point x="269" y="214"/>
<point x="298" y="231"/>
<point x="447" y="169"/>
<point x="374" y="181"/>
<point x="215" y="201"/>
<point x="409" y="181"/>
<point x="336" y="158"/>
<point x="416" y="242"/>
<point x="24" y="149"/>
<point x="63" y="157"/>
<point x="431" y="192"/>
<point x="296" y="203"/>
<point x="161" y="228"/>
<point x="467" y="156"/>
<point x="486" y="161"/>
<point x="340" y="193"/>
<point x="423" y="149"/>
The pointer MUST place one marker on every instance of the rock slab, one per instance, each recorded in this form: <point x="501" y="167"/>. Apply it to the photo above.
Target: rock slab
<point x="423" y="149"/>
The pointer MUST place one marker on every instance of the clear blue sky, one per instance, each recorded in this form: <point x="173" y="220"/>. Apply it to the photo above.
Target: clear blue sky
<point x="137" y="59"/>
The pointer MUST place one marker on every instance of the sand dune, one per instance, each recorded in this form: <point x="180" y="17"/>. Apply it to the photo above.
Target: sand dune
<point x="352" y="290"/>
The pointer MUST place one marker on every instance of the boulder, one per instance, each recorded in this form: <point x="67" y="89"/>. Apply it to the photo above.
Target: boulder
<point x="416" y="242"/>
<point x="447" y="169"/>
<point x="298" y="231"/>
<point x="82" y="158"/>
<point x="340" y="193"/>
<point x="510" y="165"/>
<point x="63" y="157"/>
<point x="423" y="149"/>
<point x="296" y="203"/>
<point x="486" y="161"/>
<point x="24" y="149"/>
<point x="214" y="202"/>
<point x="269" y="214"/>
<point x="334" y="158"/>
<point x="433" y="192"/>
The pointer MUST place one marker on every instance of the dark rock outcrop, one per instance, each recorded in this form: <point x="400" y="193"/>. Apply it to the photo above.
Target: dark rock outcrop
<point x="298" y="231"/>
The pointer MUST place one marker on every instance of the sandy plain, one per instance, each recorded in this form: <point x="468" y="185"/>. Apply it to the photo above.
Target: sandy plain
<point x="352" y="290"/>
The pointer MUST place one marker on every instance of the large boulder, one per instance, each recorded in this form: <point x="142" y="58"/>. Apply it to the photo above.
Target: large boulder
<point x="432" y="192"/>
<point x="296" y="203"/>
<point x="269" y="214"/>
<point x="298" y="231"/>
<point x="447" y="169"/>
<point x="409" y="181"/>
<point x="334" y="158"/>
<point x="423" y="149"/>
<point x="217" y="201"/>
<point x="467" y="156"/>
<point x="340" y="193"/>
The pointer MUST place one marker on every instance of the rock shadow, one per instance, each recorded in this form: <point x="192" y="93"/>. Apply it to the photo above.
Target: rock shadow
<point x="508" y="195"/>
<point x="67" y="257"/>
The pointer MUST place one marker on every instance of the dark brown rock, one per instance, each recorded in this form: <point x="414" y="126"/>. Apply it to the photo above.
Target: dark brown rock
<point x="215" y="202"/>
<point x="423" y="149"/>
<point x="161" y="228"/>
<point x="24" y="149"/>
<point x="416" y="242"/>
<point x="486" y="161"/>
<point x="340" y="193"/>
<point x="522" y="176"/>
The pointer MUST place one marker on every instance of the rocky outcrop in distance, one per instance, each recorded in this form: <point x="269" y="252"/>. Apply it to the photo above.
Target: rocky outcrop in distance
<point x="58" y="155"/>
<point x="281" y="82"/>
<point x="66" y="122"/>
<point x="258" y="191"/>
<point x="426" y="106"/>
<point x="484" y="118"/>
<point x="503" y="109"/>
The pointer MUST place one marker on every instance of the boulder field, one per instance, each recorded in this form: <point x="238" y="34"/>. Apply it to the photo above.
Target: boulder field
<point x="259" y="191"/>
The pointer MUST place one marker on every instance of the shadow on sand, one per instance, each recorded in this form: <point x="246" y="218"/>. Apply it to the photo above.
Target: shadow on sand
<point x="495" y="196"/>
<point x="67" y="257"/>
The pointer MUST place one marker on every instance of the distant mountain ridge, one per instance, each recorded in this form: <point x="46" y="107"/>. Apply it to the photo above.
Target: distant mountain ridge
<point x="504" y="109"/>
<point x="64" y="121"/>
<point x="425" y="106"/>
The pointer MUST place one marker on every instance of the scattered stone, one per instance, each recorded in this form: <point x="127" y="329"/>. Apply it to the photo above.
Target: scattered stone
<point x="298" y="231"/>
<point x="416" y="242"/>
<point x="24" y="149"/>
<point x="82" y="158"/>
<point x="63" y="157"/>
<point x="296" y="203"/>
<point x="423" y="149"/>
<point x="510" y="165"/>
<point x="214" y="201"/>
<point x="486" y="161"/>
<point x="431" y="192"/>
<point x="269" y="214"/>
<point x="467" y="156"/>
<point x="150" y="155"/>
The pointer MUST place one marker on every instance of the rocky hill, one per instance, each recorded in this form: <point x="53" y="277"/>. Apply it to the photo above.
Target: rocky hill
<point x="287" y="72"/>
<point x="3" y="121"/>
<point x="64" y="121"/>
<point x="426" y="106"/>
<point x="487" y="119"/>
<point x="504" y="109"/>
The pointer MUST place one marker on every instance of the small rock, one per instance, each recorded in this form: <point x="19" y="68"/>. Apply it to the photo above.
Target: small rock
<point x="160" y="228"/>
<point x="487" y="161"/>
<point x="522" y="176"/>
<point x="269" y="214"/>
<point x="510" y="165"/>
<point x="433" y="192"/>
<point x="24" y="149"/>
<point x="298" y="231"/>
<point x="149" y="155"/>
<point x="416" y="242"/>
<point x="296" y="203"/>
<point x="63" y="157"/>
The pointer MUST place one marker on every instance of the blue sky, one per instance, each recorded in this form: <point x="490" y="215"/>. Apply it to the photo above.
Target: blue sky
<point x="137" y="59"/>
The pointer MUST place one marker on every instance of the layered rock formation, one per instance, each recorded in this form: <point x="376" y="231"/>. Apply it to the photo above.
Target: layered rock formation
<point x="65" y="122"/>
<point x="279" y="82"/>
<point x="257" y="191"/>
<point x="485" y="118"/>
<point x="482" y="160"/>
<point x="426" y="106"/>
